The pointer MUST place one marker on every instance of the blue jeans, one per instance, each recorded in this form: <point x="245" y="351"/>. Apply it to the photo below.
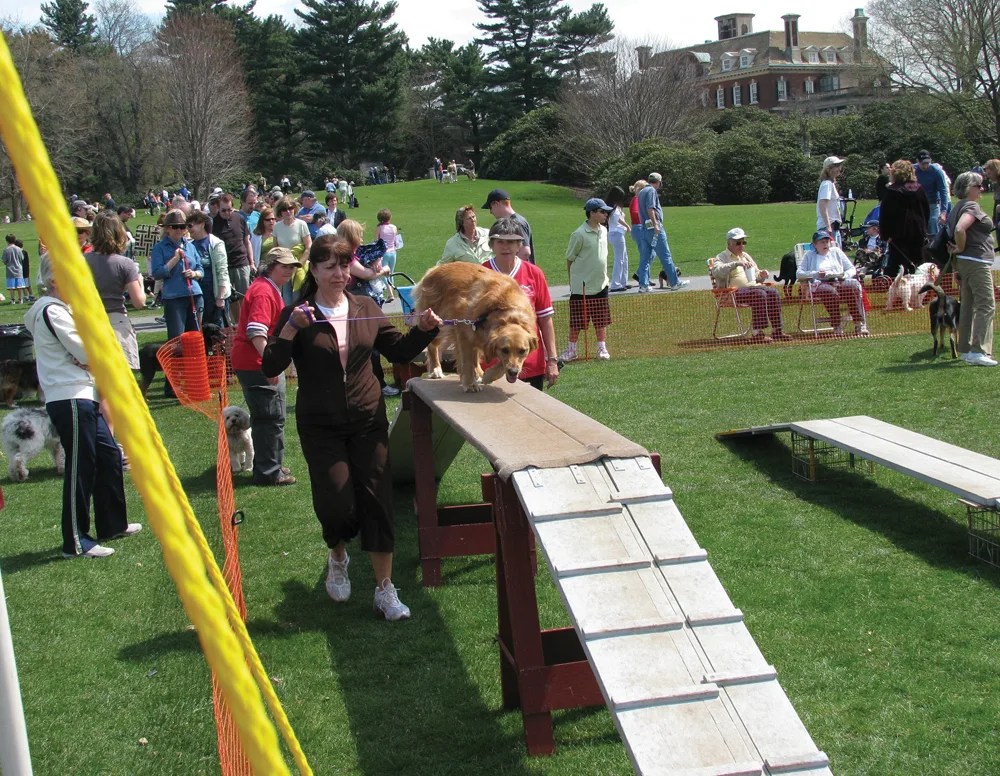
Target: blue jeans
<point x="657" y="243"/>
<point x="182" y="315"/>
<point x="932" y="221"/>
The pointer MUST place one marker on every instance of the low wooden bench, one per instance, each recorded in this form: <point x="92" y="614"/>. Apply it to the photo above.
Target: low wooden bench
<point x="974" y="478"/>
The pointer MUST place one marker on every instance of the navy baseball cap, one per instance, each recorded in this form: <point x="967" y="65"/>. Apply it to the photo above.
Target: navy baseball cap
<point x="594" y="203"/>
<point x="821" y="234"/>
<point x="497" y="195"/>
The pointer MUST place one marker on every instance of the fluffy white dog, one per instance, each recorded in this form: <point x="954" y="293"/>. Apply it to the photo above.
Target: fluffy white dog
<point x="906" y="288"/>
<point x="237" y="421"/>
<point x="25" y="433"/>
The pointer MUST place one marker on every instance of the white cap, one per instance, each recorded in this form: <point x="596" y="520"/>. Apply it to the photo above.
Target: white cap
<point x="217" y="190"/>
<point x="736" y="234"/>
<point x="832" y="160"/>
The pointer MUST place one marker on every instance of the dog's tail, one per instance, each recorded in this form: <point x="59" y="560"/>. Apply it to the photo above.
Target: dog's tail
<point x="935" y="288"/>
<point x="899" y="274"/>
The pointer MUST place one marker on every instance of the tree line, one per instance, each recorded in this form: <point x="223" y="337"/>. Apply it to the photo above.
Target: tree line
<point x="215" y="94"/>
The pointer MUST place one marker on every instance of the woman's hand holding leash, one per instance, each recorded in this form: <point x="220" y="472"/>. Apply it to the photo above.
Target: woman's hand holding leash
<point x="302" y="317"/>
<point x="428" y="320"/>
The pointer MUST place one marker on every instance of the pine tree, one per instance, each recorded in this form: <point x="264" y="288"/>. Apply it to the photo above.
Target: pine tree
<point x="353" y="69"/>
<point x="70" y="24"/>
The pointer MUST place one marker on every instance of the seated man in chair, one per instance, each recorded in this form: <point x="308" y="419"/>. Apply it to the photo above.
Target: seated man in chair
<point x="735" y="268"/>
<point x="833" y="281"/>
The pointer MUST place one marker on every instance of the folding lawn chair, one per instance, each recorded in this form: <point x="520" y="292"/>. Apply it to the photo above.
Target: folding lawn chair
<point x="725" y="299"/>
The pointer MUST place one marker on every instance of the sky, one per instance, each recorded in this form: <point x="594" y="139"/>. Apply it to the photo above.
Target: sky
<point x="669" y="22"/>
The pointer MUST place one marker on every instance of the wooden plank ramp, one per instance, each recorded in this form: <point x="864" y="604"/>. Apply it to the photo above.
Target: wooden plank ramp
<point x="689" y="690"/>
<point x="969" y="475"/>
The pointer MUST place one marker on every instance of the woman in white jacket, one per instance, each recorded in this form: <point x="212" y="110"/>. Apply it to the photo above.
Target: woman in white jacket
<point x="211" y="251"/>
<point x="93" y="459"/>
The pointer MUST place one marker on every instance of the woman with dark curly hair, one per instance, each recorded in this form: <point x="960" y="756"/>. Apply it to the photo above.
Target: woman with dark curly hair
<point x="340" y="412"/>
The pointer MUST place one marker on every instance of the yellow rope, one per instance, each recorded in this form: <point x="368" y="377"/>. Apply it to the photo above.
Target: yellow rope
<point x="187" y="559"/>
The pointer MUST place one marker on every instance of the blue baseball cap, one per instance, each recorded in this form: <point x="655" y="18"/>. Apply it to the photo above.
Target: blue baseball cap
<point x="594" y="203"/>
<point x="821" y="234"/>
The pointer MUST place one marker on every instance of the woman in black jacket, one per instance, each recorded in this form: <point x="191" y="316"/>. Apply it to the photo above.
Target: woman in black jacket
<point x="340" y="412"/>
<point x="903" y="218"/>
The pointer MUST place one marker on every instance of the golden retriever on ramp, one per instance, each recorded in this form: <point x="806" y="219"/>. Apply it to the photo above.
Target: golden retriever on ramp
<point x="493" y="319"/>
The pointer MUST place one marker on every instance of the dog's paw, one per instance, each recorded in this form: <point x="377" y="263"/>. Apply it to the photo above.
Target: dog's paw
<point x="474" y="388"/>
<point x="435" y="374"/>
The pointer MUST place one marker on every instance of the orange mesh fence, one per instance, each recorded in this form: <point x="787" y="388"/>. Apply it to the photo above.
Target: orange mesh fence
<point x="200" y="383"/>
<point x="664" y="323"/>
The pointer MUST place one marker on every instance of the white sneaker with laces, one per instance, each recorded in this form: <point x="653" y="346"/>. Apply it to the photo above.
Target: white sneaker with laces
<point x="569" y="354"/>
<point x="91" y="549"/>
<point x="838" y="331"/>
<point x="861" y="330"/>
<point x="981" y="359"/>
<point x="679" y="285"/>
<point x="387" y="603"/>
<point x="338" y="584"/>
<point x="602" y="354"/>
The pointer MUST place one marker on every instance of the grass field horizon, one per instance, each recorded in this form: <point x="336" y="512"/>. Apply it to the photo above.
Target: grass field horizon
<point x="857" y="588"/>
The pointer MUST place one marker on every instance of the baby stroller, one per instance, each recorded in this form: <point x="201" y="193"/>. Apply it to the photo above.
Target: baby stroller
<point x="405" y="295"/>
<point x="846" y="225"/>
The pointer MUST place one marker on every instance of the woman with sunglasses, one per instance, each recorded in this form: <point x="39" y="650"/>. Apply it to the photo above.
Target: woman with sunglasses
<point x="291" y="233"/>
<point x="183" y="302"/>
<point x="262" y="236"/>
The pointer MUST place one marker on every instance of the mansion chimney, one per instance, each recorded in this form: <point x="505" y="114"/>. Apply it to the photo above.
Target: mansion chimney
<point x="860" y="24"/>
<point x="791" y="21"/>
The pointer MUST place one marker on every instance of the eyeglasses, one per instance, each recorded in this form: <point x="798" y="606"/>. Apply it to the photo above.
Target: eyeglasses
<point x="83" y="231"/>
<point x="739" y="242"/>
<point x="272" y="218"/>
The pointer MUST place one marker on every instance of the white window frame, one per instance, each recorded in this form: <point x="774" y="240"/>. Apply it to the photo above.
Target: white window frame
<point x="720" y="97"/>
<point x="812" y="57"/>
<point x="782" y="89"/>
<point x="753" y="92"/>
<point x="737" y="95"/>
<point x="727" y="64"/>
<point x="810" y="86"/>
<point x="746" y="60"/>
<point x="830" y="57"/>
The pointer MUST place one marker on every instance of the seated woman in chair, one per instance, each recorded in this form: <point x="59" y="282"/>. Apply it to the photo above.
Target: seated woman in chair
<point x="832" y="282"/>
<point x="735" y="268"/>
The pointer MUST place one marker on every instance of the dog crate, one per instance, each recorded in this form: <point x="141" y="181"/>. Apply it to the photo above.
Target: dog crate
<point x="984" y="533"/>
<point x="16" y="343"/>
<point x="808" y="454"/>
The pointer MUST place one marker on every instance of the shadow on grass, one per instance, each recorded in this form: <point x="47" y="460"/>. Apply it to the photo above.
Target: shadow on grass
<point x="911" y="526"/>
<point x="412" y="707"/>
<point x="12" y="564"/>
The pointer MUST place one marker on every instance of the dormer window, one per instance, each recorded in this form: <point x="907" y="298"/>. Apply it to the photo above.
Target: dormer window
<point x="727" y="63"/>
<point x="830" y="56"/>
<point x="812" y="57"/>
<point x="746" y="57"/>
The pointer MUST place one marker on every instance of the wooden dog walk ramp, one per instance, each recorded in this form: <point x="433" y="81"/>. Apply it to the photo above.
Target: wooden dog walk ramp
<point x="688" y="688"/>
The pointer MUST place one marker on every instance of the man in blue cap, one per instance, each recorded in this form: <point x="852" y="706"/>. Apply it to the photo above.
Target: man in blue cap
<point x="587" y="265"/>
<point x="498" y="203"/>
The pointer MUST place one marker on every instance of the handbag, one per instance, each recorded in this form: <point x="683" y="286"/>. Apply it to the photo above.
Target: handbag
<point x="938" y="247"/>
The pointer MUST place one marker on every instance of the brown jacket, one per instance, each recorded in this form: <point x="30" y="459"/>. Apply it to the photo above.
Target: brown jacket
<point x="327" y="394"/>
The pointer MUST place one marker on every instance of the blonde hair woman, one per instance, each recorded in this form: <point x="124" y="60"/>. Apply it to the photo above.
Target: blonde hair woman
<point x="828" y="198"/>
<point x="635" y="217"/>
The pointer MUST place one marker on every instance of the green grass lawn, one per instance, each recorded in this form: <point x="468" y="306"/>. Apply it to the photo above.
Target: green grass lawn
<point x="858" y="588"/>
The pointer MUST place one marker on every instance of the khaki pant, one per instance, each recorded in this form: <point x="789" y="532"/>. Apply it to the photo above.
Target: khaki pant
<point x="975" y="325"/>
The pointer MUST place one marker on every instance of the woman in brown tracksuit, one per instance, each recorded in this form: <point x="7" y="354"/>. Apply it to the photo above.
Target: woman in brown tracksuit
<point x="340" y="412"/>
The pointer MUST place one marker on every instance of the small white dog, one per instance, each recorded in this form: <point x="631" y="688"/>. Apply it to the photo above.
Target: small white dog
<point x="25" y="433"/>
<point x="906" y="288"/>
<point x="237" y="422"/>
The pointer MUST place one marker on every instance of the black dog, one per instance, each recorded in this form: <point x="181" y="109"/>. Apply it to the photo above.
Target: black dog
<point x="786" y="274"/>
<point x="17" y="379"/>
<point x="149" y="364"/>
<point x="944" y="318"/>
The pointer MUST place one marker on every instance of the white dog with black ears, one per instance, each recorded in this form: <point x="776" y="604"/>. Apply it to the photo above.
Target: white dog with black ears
<point x="906" y="288"/>
<point x="237" y="422"/>
<point x="24" y="434"/>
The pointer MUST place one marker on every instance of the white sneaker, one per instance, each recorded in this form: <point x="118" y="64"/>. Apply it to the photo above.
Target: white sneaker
<point x="338" y="584"/>
<point x="680" y="284"/>
<point x="966" y="356"/>
<point x="130" y="530"/>
<point x="861" y="330"/>
<point x="603" y="355"/>
<point x="387" y="603"/>
<point x="568" y="355"/>
<point x="980" y="359"/>
<point x="838" y="331"/>
<point x="643" y="289"/>
<point x="91" y="549"/>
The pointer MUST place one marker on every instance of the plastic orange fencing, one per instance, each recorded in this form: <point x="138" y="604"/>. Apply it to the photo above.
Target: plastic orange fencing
<point x="200" y="381"/>
<point x="666" y="323"/>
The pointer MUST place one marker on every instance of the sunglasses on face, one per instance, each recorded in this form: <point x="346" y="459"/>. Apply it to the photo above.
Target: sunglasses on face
<point x="271" y="218"/>
<point x="182" y="227"/>
<point x="740" y="242"/>
<point x="83" y="231"/>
